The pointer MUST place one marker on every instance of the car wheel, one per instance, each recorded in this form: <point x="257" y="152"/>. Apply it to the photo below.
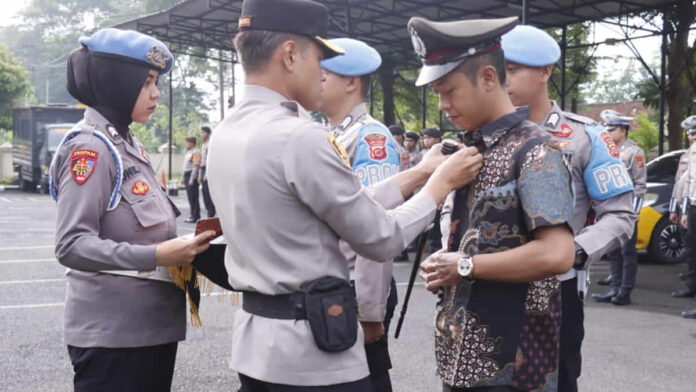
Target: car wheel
<point x="666" y="244"/>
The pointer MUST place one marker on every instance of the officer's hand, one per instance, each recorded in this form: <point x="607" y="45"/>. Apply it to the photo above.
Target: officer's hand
<point x="440" y="270"/>
<point x="432" y="159"/>
<point x="673" y="217"/>
<point x="685" y="222"/>
<point x="461" y="168"/>
<point x="181" y="251"/>
<point x="372" y="331"/>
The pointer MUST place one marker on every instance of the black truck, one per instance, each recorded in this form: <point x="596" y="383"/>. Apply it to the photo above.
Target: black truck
<point x="37" y="132"/>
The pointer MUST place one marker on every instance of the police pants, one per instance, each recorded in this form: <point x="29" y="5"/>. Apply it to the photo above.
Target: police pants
<point x="447" y="388"/>
<point x="572" y="334"/>
<point x="377" y="353"/>
<point x="192" y="195"/>
<point x="253" y="385"/>
<point x="689" y="242"/>
<point x="137" y="369"/>
<point x="624" y="265"/>
<point x="209" y="206"/>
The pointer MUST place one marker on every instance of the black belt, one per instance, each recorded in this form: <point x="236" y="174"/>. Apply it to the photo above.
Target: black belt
<point x="284" y="307"/>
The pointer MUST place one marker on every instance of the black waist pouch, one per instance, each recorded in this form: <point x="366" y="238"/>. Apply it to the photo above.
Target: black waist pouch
<point x="332" y="312"/>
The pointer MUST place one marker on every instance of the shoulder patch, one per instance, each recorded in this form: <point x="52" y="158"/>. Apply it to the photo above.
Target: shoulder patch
<point x="640" y="161"/>
<point x="339" y="149"/>
<point x="377" y="144"/>
<point x="82" y="164"/>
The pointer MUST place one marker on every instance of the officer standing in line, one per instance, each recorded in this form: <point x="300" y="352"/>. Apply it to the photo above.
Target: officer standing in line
<point x="687" y="206"/>
<point x="192" y="163"/>
<point x="374" y="156"/>
<point x="624" y="261"/>
<point x="115" y="225"/>
<point x="398" y="132"/>
<point x="285" y="195"/>
<point x="431" y="136"/>
<point x="599" y="178"/>
<point x="205" y="142"/>
<point x="675" y="207"/>
<point x="411" y="144"/>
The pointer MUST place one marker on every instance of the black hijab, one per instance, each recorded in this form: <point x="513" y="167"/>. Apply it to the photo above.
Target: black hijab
<point x="108" y="83"/>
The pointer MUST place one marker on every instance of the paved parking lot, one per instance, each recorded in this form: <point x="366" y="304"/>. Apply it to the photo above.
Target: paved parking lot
<point x="643" y="347"/>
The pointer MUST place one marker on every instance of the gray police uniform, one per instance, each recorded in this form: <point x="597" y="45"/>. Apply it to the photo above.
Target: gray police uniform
<point x="687" y="198"/>
<point x="191" y="167"/>
<point x="679" y="180"/>
<point x="624" y="261"/>
<point x="106" y="226"/>
<point x="284" y="198"/>
<point x="601" y="185"/>
<point x="209" y="205"/>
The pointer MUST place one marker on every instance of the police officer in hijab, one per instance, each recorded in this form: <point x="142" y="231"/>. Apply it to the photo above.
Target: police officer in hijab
<point x="116" y="226"/>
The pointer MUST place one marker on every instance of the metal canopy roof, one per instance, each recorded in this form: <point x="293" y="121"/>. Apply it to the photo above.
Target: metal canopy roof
<point x="212" y="24"/>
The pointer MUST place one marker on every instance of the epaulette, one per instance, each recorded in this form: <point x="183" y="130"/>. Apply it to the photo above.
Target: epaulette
<point x="579" y="118"/>
<point x="116" y="191"/>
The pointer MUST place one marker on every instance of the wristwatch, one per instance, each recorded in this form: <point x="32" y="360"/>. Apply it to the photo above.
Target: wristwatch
<point x="580" y="257"/>
<point x="465" y="267"/>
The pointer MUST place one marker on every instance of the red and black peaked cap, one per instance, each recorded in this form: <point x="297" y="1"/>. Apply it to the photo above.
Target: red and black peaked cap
<point x="302" y="17"/>
<point x="443" y="46"/>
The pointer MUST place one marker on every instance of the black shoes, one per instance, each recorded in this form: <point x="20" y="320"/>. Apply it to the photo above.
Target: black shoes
<point x="605" y="281"/>
<point x="606" y="297"/>
<point x="690" y="314"/>
<point x="685" y="293"/>
<point x="622" y="298"/>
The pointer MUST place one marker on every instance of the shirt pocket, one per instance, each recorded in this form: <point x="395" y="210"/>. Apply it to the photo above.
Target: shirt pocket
<point x="149" y="209"/>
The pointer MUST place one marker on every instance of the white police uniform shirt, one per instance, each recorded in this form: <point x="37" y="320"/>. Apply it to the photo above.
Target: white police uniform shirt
<point x="285" y="197"/>
<point x="600" y="182"/>
<point x="374" y="157"/>
<point x="688" y="189"/>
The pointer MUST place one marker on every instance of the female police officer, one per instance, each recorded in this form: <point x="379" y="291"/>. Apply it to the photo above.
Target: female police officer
<point x="115" y="224"/>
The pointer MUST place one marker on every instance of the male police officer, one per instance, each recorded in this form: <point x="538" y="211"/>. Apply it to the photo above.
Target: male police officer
<point x="202" y="176"/>
<point x="191" y="168"/>
<point x="687" y="199"/>
<point x="624" y="261"/>
<point x="498" y="319"/>
<point x="285" y="194"/>
<point x="398" y="133"/>
<point x="411" y="144"/>
<point x="599" y="178"/>
<point x="374" y="156"/>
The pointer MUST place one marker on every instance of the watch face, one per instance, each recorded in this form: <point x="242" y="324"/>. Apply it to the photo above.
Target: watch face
<point x="464" y="266"/>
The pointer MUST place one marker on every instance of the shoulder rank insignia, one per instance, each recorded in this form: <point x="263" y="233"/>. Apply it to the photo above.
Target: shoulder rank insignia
<point x="640" y="161"/>
<point x="82" y="164"/>
<point x="140" y="188"/>
<point x="339" y="149"/>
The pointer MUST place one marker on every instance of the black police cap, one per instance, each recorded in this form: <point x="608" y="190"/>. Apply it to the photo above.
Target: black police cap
<point x="396" y="130"/>
<point x="433" y="132"/>
<point x="443" y="46"/>
<point x="412" y="135"/>
<point x="302" y="17"/>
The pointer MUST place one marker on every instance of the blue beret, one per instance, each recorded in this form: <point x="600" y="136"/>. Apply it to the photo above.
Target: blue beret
<point x="133" y="45"/>
<point x="530" y="46"/>
<point x="359" y="58"/>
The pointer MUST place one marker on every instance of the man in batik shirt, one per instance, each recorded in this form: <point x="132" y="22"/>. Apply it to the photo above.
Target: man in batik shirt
<point x="507" y="236"/>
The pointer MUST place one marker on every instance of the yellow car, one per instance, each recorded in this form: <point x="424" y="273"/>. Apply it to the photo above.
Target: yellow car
<point x="657" y="236"/>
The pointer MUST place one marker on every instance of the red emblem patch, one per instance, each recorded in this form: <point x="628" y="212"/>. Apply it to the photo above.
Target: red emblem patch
<point x="640" y="161"/>
<point x="335" y="310"/>
<point x="82" y="164"/>
<point x="377" y="143"/>
<point x="140" y="188"/>
<point x="565" y="131"/>
<point x="613" y="150"/>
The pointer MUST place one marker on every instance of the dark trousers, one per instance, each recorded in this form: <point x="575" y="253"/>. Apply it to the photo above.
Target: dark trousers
<point x="572" y="334"/>
<point x="447" y="388"/>
<point x="690" y="248"/>
<point x="192" y="195"/>
<point x="252" y="385"/>
<point x="435" y="236"/>
<point x="207" y="201"/>
<point x="377" y="353"/>
<point x="138" y="369"/>
<point x="624" y="265"/>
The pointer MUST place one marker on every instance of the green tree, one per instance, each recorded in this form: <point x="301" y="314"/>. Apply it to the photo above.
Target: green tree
<point x="580" y="65"/>
<point x="14" y="85"/>
<point x="645" y="134"/>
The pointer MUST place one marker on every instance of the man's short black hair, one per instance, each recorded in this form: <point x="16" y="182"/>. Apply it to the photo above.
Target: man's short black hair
<point x="255" y="47"/>
<point x="191" y="139"/>
<point x="365" y="82"/>
<point x="495" y="58"/>
<point x="206" y="129"/>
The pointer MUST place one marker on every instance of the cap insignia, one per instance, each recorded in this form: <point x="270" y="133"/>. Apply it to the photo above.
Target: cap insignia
<point x="158" y="57"/>
<point x="418" y="45"/>
<point x="245" y="21"/>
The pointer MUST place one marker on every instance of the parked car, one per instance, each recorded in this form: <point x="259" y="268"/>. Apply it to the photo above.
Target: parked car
<point x="657" y="236"/>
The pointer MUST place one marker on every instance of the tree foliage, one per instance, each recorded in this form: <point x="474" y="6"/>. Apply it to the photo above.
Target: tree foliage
<point x="14" y="85"/>
<point x="645" y="134"/>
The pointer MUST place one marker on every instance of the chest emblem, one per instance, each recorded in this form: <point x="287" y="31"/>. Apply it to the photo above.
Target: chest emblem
<point x="565" y="132"/>
<point x="140" y="188"/>
<point x="377" y="143"/>
<point x="611" y="146"/>
<point x="82" y="164"/>
<point x="640" y="161"/>
<point x="552" y="120"/>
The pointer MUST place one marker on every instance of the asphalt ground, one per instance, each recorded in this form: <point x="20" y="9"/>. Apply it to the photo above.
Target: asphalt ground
<point x="643" y="347"/>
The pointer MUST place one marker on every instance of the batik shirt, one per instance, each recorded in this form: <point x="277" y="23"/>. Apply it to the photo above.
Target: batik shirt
<point x="492" y="333"/>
